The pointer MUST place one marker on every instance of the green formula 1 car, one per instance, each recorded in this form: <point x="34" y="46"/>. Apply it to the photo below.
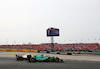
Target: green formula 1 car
<point x="41" y="57"/>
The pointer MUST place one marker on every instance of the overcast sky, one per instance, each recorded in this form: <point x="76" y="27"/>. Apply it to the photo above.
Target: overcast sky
<point x="24" y="21"/>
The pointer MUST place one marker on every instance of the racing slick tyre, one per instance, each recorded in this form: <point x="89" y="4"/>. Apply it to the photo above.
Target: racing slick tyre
<point x="56" y="59"/>
<point x="32" y="60"/>
<point x="29" y="56"/>
<point x="19" y="58"/>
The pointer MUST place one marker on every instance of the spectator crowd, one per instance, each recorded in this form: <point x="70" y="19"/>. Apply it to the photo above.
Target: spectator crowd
<point x="76" y="46"/>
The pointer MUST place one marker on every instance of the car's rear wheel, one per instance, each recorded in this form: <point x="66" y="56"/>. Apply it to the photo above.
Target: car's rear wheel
<point x="19" y="58"/>
<point x="29" y="56"/>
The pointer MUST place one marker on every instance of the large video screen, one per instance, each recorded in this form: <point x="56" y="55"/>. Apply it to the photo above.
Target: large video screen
<point x="52" y="32"/>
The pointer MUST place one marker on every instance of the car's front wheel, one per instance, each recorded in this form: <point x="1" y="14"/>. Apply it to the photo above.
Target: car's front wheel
<point x="32" y="60"/>
<point x="56" y="59"/>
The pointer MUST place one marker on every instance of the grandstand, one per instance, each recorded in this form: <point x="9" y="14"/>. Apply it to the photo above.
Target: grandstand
<point x="61" y="47"/>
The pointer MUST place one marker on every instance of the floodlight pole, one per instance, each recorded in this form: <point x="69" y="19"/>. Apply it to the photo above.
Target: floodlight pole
<point x="52" y="44"/>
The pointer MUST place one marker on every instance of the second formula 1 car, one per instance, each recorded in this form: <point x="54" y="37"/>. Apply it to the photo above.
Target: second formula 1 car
<point x="24" y="56"/>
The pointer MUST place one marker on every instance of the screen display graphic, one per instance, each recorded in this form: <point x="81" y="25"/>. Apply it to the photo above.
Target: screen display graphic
<point x="52" y="32"/>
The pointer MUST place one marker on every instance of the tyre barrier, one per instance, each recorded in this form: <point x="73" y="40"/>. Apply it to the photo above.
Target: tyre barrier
<point x="69" y="53"/>
<point x="42" y="52"/>
<point x="48" y="52"/>
<point x="53" y="52"/>
<point x="84" y="54"/>
<point x="58" y="52"/>
<point x="75" y="50"/>
<point x="62" y="53"/>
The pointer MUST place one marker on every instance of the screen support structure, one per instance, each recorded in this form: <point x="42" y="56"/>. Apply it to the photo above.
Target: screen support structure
<point x="52" y="44"/>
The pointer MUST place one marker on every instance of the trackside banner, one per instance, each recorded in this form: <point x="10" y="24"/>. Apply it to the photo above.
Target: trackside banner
<point x="20" y="50"/>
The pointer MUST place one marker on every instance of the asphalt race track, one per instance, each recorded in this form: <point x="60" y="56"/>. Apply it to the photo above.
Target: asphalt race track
<point x="11" y="63"/>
